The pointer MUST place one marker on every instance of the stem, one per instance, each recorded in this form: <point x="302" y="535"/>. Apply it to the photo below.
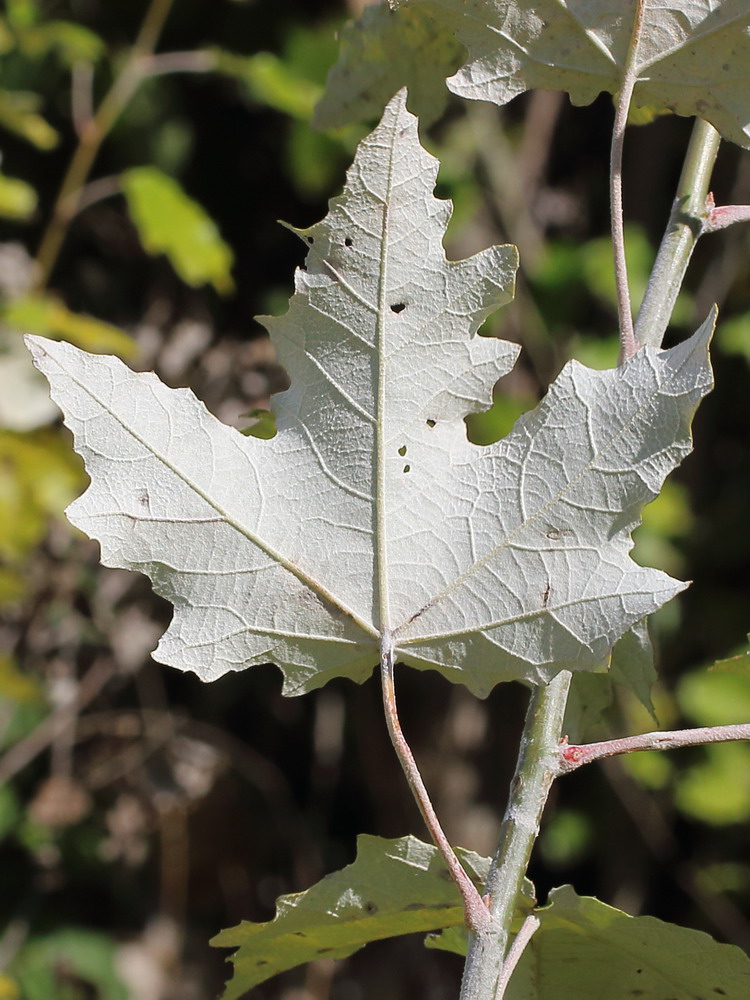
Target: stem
<point x="573" y="757"/>
<point x="683" y="229"/>
<point x="23" y="752"/>
<point x="193" y="61"/>
<point x="628" y="344"/>
<point x="537" y="767"/>
<point x="724" y="215"/>
<point x="92" y="135"/>
<point x="528" y="928"/>
<point x="476" y="914"/>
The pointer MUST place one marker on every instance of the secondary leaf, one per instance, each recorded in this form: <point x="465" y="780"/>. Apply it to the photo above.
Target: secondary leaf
<point x="631" y="665"/>
<point x="586" y="950"/>
<point x="693" y="57"/>
<point x="19" y="114"/>
<point x="43" y="313"/>
<point x="170" y="222"/>
<point x="382" y="52"/>
<point x="370" y="510"/>
<point x="17" y="198"/>
<point x="393" y="887"/>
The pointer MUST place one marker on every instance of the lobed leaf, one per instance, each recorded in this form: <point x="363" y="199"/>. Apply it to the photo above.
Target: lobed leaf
<point x="382" y="52"/>
<point x="370" y="511"/>
<point x="586" y="950"/>
<point x="693" y="56"/>
<point x="393" y="887"/>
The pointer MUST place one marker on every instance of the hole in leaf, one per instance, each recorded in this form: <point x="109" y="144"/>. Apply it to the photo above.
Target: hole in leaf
<point x="431" y="423"/>
<point x="310" y="239"/>
<point x="348" y="241"/>
<point x="398" y="307"/>
<point x="407" y="468"/>
<point x="402" y="450"/>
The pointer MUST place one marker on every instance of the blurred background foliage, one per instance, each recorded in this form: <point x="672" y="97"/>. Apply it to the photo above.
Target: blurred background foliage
<point x="144" y="165"/>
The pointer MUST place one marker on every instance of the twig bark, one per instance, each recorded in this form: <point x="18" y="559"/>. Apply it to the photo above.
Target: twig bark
<point x="536" y="769"/>
<point x="92" y="133"/>
<point x="23" y="752"/>
<point x="686" y="223"/>
<point x="573" y="757"/>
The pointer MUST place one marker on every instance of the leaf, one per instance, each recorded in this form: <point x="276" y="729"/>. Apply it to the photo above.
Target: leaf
<point x="18" y="113"/>
<point x="71" y="42"/>
<point x="170" y="222"/>
<point x="586" y="950"/>
<point x="693" y="57"/>
<point x="269" y="80"/>
<point x="393" y="887"/>
<point x="17" y="198"/>
<point x="382" y="52"/>
<point x="715" y="785"/>
<point x="739" y="664"/>
<point x="85" y="955"/>
<point x="631" y="665"/>
<point x="370" y="510"/>
<point x="43" y="313"/>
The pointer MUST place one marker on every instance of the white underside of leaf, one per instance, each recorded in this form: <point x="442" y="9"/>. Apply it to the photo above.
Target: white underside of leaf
<point x="370" y="509"/>
<point x="693" y="55"/>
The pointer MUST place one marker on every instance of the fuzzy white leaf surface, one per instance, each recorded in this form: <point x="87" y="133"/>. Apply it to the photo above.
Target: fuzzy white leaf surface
<point x="693" y="56"/>
<point x="370" y="510"/>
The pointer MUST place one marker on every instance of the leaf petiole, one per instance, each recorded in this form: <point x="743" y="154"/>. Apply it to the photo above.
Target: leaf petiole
<point x="476" y="914"/>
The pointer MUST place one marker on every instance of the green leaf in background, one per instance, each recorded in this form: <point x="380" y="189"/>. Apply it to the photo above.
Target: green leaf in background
<point x="38" y="478"/>
<point x="739" y="664"/>
<point x="586" y="950"/>
<point x="393" y="887"/>
<point x="70" y="42"/>
<point x="71" y="964"/>
<point x="693" y="58"/>
<point x="17" y="198"/>
<point x="170" y="222"/>
<point x="382" y="52"/>
<point x="43" y="314"/>
<point x="269" y="80"/>
<point x="291" y="83"/>
<point x="734" y="336"/>
<point x="715" y="788"/>
<point x="19" y="113"/>
<point x="263" y="424"/>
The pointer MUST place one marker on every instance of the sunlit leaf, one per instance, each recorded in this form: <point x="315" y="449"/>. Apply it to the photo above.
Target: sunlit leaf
<point x="693" y="58"/>
<point x="382" y="52"/>
<point x="370" y="510"/>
